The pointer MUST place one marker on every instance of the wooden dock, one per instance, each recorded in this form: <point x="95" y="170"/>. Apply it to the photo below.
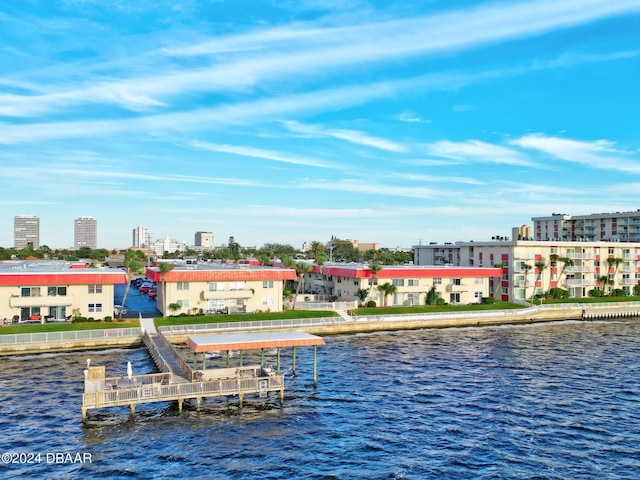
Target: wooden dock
<point x="177" y="381"/>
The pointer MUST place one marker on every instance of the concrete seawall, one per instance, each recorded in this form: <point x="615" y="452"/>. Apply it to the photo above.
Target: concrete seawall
<point x="69" y="346"/>
<point x="363" y="325"/>
<point x="359" y="325"/>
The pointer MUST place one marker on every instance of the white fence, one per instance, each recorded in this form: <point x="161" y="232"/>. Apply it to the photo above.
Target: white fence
<point x="68" y="336"/>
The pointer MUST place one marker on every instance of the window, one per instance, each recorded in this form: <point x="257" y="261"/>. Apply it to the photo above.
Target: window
<point x="478" y="295"/>
<point x="267" y="300"/>
<point x="267" y="284"/>
<point x="95" y="288"/>
<point x="30" y="292"/>
<point x="478" y="281"/>
<point x="456" y="281"/>
<point x="183" y="303"/>
<point x="413" y="282"/>
<point x="398" y="282"/>
<point x="236" y="285"/>
<point x="216" y="286"/>
<point x="183" y="285"/>
<point x="54" y="291"/>
<point x="95" y="307"/>
<point x="437" y="281"/>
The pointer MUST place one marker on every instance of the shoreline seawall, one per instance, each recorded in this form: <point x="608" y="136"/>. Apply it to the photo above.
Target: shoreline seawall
<point x="358" y="325"/>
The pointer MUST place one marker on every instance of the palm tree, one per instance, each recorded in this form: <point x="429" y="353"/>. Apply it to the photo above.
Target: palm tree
<point x="301" y="269"/>
<point x="566" y="262"/>
<point x="321" y="257"/>
<point x="541" y="266"/>
<point x="174" y="307"/>
<point x="132" y="267"/>
<point x="164" y="267"/>
<point x="603" y="280"/>
<point x="375" y="268"/>
<point x="614" y="263"/>
<point x="526" y="267"/>
<point x="316" y="248"/>
<point x="387" y="289"/>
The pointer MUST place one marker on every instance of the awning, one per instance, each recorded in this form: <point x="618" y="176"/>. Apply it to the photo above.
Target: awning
<point x="252" y="341"/>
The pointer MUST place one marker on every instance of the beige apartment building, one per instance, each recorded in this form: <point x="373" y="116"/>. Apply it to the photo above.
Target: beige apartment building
<point x="521" y="276"/>
<point x="456" y="285"/>
<point x="220" y="288"/>
<point x="54" y="290"/>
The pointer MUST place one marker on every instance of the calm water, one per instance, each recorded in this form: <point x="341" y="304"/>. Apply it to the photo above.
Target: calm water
<point x="552" y="401"/>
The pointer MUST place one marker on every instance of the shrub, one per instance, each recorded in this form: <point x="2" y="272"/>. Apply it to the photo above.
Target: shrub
<point x="371" y="304"/>
<point x="618" y="292"/>
<point x="596" y="292"/>
<point x="488" y="300"/>
<point x="108" y="319"/>
<point x="636" y="290"/>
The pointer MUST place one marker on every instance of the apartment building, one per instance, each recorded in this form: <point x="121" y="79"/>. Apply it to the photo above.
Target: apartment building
<point x="610" y="227"/>
<point x="26" y="231"/>
<point x="141" y="237"/>
<point x="528" y="267"/>
<point x="456" y="285"/>
<point x="85" y="233"/>
<point x="53" y="290"/>
<point x="211" y="288"/>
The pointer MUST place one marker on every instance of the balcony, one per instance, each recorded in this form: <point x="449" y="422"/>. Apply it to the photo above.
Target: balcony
<point x="43" y="301"/>
<point x="226" y="294"/>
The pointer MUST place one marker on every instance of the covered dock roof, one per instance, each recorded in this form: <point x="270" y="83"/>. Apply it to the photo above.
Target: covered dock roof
<point x="251" y="341"/>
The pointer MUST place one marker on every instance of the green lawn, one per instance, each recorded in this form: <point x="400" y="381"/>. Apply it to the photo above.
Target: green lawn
<point x="433" y="308"/>
<point x="243" y="317"/>
<point x="62" y="327"/>
<point x="593" y="300"/>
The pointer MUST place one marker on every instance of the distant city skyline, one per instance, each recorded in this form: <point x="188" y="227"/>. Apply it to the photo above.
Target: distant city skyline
<point x="387" y="122"/>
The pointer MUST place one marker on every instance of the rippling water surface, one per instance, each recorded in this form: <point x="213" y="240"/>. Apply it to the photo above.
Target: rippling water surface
<point x="552" y="401"/>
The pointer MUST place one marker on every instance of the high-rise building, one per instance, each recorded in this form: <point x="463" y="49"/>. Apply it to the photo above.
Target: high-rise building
<point x="141" y="237"/>
<point x="26" y="230"/>
<point x="85" y="233"/>
<point x="594" y="227"/>
<point x="204" y="240"/>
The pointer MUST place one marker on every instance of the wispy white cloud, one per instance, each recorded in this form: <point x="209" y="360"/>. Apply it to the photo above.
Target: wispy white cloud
<point x="351" y="136"/>
<point x="262" y="154"/>
<point x="362" y="187"/>
<point x="599" y="154"/>
<point x="410" y="117"/>
<point x="308" y="50"/>
<point x="475" y="151"/>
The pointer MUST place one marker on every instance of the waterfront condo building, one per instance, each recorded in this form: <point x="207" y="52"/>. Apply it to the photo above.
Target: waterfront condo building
<point x="85" y="233"/>
<point x="141" y="237"/>
<point x="26" y="231"/>
<point x="53" y="290"/>
<point x="532" y="267"/>
<point x="213" y="288"/>
<point x="609" y="227"/>
<point x="342" y="281"/>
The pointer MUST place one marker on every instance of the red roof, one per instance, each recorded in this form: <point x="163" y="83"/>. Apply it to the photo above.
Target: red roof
<point x="412" y="272"/>
<point x="222" y="275"/>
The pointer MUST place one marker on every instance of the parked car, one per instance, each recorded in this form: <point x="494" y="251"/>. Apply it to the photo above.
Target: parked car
<point x="153" y="293"/>
<point x="145" y="287"/>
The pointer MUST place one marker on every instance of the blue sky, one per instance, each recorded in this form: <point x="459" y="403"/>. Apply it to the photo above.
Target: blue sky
<point x="285" y="121"/>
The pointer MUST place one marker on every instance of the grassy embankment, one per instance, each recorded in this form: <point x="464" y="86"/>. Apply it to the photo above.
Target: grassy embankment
<point x="64" y="327"/>
<point x="243" y="317"/>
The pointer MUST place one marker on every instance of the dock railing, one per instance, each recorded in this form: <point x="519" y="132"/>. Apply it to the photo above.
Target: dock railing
<point x="69" y="336"/>
<point x="157" y="359"/>
<point x="179" y="360"/>
<point x="155" y="392"/>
